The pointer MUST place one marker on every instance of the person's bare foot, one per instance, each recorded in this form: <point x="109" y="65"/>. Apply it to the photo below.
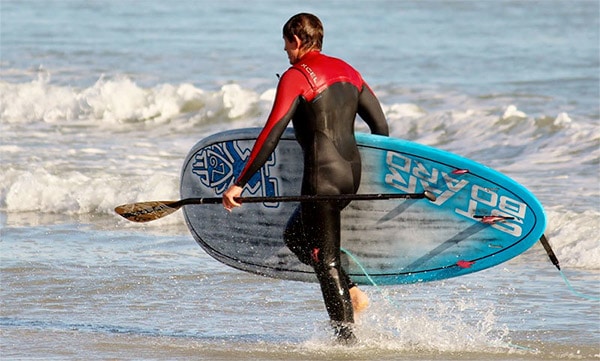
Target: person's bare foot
<point x="360" y="300"/>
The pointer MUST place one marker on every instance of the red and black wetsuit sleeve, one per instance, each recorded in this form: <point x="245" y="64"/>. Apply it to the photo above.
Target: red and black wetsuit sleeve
<point x="370" y="111"/>
<point x="292" y="86"/>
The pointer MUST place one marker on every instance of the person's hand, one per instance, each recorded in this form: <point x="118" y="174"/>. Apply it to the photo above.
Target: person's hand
<point x="228" y="197"/>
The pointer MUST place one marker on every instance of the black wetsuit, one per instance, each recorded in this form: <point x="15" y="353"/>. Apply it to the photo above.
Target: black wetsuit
<point x="321" y="95"/>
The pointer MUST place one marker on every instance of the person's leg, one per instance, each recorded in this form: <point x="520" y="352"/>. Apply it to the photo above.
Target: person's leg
<point x="322" y="220"/>
<point x="296" y="241"/>
<point x="313" y="235"/>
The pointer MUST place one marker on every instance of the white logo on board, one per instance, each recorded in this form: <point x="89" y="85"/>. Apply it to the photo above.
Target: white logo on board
<point x="411" y="176"/>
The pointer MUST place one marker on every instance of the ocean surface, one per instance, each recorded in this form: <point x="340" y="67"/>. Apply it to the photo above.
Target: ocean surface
<point x="101" y="100"/>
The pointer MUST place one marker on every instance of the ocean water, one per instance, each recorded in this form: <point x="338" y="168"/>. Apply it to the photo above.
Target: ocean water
<point x="100" y="101"/>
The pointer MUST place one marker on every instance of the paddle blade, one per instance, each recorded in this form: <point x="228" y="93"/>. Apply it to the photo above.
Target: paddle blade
<point x="147" y="211"/>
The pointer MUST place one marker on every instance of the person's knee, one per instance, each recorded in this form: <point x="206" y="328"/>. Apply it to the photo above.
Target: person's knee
<point x="298" y="247"/>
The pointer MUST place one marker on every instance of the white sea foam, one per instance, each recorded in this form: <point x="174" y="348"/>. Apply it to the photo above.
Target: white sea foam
<point x="512" y="111"/>
<point x="118" y="100"/>
<point x="74" y="192"/>
<point x="575" y="237"/>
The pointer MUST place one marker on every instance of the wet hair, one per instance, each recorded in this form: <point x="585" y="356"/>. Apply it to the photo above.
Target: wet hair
<point x="307" y="27"/>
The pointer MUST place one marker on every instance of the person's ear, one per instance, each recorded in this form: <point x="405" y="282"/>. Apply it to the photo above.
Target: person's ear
<point x="297" y="42"/>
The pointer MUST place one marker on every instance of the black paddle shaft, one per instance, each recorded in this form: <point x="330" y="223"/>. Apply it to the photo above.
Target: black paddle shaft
<point x="310" y="198"/>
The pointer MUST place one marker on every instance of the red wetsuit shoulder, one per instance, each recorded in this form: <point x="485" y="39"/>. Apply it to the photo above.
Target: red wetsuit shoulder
<point x="321" y="71"/>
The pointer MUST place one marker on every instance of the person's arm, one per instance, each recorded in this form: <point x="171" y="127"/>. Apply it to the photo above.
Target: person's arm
<point x="290" y="88"/>
<point x="370" y="111"/>
<point x="284" y="106"/>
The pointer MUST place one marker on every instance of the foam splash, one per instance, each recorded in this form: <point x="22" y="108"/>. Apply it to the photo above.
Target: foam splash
<point x="119" y="100"/>
<point x="575" y="238"/>
<point x="455" y="323"/>
<point x="77" y="193"/>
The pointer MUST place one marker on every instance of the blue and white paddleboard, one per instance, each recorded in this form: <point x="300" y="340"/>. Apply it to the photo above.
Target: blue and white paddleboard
<point x="480" y="219"/>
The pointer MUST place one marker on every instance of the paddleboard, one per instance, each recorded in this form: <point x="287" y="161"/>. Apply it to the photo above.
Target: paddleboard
<point x="480" y="217"/>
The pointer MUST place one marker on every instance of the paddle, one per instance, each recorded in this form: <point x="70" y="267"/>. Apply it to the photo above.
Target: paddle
<point x="149" y="211"/>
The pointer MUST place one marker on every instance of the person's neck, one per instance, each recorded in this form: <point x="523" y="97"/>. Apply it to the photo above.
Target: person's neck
<point x="308" y="51"/>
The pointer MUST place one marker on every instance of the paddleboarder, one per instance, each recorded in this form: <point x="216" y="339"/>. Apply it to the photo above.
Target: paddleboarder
<point x="321" y="96"/>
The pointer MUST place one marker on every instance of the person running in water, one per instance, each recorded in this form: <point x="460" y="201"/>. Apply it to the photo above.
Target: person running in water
<point x="321" y="96"/>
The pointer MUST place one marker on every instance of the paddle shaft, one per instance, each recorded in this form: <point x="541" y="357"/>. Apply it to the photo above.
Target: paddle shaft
<point x="309" y="198"/>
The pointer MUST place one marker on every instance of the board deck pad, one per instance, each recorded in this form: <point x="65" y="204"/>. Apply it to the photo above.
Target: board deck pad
<point x="480" y="218"/>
